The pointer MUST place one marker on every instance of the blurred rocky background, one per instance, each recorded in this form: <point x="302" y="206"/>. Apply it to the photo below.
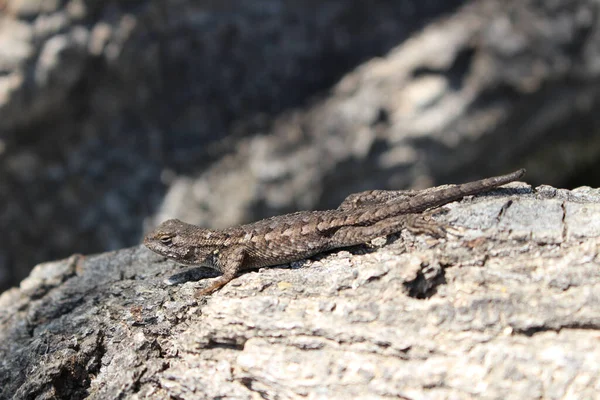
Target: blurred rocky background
<point x="115" y="115"/>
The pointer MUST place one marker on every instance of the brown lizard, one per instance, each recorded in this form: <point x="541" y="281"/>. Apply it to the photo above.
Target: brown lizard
<point x="285" y="238"/>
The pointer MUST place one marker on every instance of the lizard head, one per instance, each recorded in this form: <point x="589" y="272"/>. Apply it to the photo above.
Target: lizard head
<point x="185" y="243"/>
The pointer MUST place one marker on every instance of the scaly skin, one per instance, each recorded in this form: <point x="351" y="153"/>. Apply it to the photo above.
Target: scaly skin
<point x="285" y="238"/>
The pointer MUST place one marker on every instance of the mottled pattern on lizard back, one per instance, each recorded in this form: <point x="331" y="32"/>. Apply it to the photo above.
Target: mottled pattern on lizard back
<point x="290" y="237"/>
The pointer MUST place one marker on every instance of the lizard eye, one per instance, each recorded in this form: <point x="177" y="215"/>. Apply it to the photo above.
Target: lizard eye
<point x="166" y="239"/>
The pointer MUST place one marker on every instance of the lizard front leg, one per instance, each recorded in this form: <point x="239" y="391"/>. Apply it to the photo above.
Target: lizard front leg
<point x="229" y="262"/>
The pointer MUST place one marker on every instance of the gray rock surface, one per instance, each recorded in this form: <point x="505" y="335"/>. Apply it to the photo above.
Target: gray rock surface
<point x="507" y="306"/>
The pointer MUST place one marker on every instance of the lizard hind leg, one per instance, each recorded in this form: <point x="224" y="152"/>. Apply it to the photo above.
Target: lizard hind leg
<point x="357" y="234"/>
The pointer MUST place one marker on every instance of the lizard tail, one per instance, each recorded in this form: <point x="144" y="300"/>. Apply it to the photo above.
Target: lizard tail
<point x="438" y="197"/>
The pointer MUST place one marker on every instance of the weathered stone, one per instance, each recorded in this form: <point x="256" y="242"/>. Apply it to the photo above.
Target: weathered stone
<point x="483" y="313"/>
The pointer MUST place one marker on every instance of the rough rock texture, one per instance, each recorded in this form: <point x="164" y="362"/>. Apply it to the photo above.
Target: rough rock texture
<point x="105" y="105"/>
<point x="507" y="306"/>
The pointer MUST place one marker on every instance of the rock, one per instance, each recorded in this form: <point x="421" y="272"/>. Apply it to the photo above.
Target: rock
<point x="505" y="307"/>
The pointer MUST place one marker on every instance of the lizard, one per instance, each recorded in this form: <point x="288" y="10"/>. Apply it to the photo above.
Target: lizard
<point x="282" y="239"/>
